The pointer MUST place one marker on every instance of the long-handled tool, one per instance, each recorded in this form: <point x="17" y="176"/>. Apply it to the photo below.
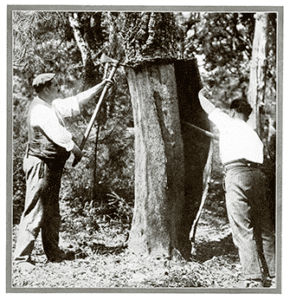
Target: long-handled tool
<point x="115" y="64"/>
<point x="205" y="132"/>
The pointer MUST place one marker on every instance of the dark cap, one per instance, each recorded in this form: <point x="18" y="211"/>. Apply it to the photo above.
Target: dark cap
<point x="241" y="106"/>
<point x="42" y="79"/>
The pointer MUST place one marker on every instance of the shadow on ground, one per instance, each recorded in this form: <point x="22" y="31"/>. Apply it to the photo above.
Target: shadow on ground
<point x="206" y="250"/>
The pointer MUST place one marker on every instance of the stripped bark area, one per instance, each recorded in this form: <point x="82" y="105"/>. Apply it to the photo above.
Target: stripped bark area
<point x="171" y="161"/>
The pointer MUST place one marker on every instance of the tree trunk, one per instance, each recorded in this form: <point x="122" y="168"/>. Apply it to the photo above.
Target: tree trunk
<point x="257" y="90"/>
<point x="258" y="69"/>
<point x="159" y="168"/>
<point x="87" y="34"/>
<point x="81" y="29"/>
<point x="197" y="150"/>
<point x="169" y="179"/>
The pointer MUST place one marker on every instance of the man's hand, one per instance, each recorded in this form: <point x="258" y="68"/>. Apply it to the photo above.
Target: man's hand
<point x="110" y="82"/>
<point x="205" y="103"/>
<point x="78" y="154"/>
<point x="204" y="92"/>
<point x="84" y="97"/>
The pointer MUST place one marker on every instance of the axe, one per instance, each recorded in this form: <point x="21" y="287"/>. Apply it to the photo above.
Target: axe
<point x="115" y="64"/>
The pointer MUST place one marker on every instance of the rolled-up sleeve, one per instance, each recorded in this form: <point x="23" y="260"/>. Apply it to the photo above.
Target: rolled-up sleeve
<point x="68" y="107"/>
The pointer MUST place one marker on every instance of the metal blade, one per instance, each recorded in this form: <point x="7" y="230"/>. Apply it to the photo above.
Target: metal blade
<point x="106" y="59"/>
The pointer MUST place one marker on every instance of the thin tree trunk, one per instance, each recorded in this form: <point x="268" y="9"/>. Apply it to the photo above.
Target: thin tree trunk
<point x="83" y="46"/>
<point x="86" y="28"/>
<point x="90" y="74"/>
<point x="257" y="86"/>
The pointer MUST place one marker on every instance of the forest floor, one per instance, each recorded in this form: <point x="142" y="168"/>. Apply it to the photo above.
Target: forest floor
<point x="102" y="262"/>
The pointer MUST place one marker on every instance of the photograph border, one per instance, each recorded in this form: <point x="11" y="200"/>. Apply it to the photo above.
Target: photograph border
<point x="9" y="161"/>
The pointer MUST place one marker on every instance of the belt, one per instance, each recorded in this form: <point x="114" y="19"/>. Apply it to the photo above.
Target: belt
<point x="241" y="163"/>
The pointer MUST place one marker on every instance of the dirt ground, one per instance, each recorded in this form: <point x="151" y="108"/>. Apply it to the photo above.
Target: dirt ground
<point x="103" y="263"/>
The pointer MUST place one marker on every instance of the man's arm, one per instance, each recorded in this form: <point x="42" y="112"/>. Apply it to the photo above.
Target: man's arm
<point x="84" y="97"/>
<point x="206" y="105"/>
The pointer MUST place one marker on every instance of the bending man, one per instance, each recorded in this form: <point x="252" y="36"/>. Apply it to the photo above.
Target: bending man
<point x="241" y="152"/>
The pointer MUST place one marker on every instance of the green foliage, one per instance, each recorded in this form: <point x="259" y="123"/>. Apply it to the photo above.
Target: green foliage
<point x="114" y="174"/>
<point x="38" y="42"/>
<point x="223" y="41"/>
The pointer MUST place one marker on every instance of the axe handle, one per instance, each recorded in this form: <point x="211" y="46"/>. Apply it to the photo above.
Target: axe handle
<point x="207" y="133"/>
<point x="94" y="116"/>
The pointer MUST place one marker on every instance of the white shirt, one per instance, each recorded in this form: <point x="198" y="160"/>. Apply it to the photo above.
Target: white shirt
<point x="237" y="139"/>
<point x="49" y="119"/>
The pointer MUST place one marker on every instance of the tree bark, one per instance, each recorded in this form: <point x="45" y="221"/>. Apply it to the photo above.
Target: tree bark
<point x="169" y="178"/>
<point x="149" y="38"/>
<point x="159" y="169"/>
<point x="87" y="34"/>
<point x="257" y="91"/>
<point x="257" y="85"/>
<point x="81" y="30"/>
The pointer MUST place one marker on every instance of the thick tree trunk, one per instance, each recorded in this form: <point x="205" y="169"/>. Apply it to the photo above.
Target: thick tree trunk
<point x="159" y="168"/>
<point x="169" y="178"/>
<point x="172" y="162"/>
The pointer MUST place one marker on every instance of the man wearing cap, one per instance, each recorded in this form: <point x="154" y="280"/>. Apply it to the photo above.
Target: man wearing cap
<point x="49" y="146"/>
<point x="241" y="152"/>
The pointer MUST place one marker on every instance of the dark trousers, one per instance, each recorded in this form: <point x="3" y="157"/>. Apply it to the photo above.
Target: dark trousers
<point x="250" y="220"/>
<point x="41" y="209"/>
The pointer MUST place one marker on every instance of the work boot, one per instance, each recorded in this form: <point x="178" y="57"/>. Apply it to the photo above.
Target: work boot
<point x="273" y="282"/>
<point x="62" y="255"/>
<point x="267" y="282"/>
<point x="254" y="283"/>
